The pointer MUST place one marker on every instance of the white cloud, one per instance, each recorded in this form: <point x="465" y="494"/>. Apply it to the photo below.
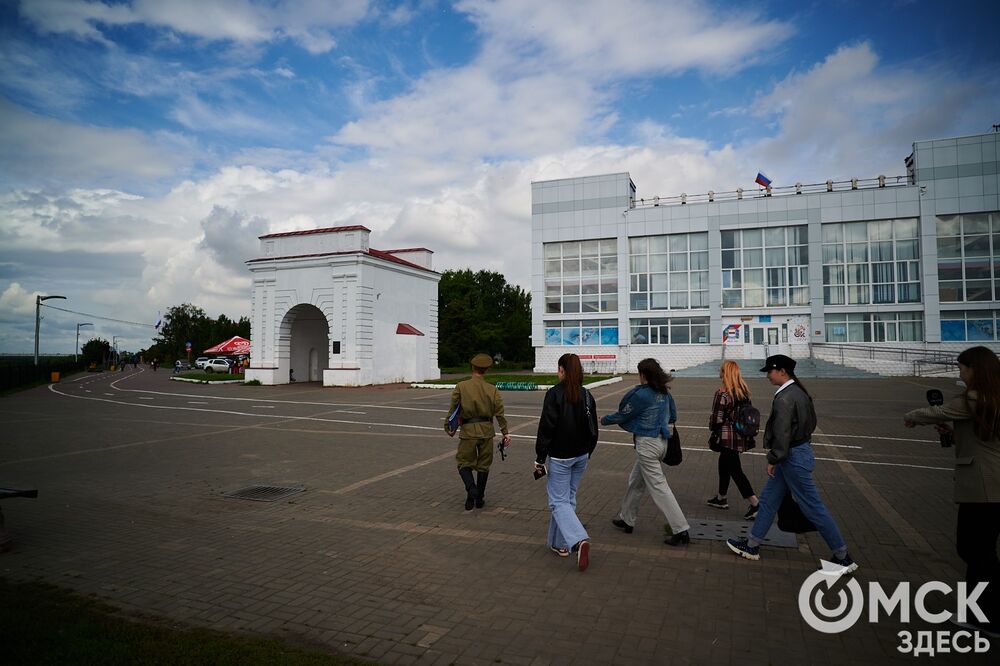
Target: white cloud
<point x="308" y="22"/>
<point x="16" y="300"/>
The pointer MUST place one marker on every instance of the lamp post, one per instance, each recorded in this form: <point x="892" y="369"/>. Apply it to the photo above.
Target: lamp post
<point x="38" y="318"/>
<point x="76" y="350"/>
<point x="114" y="346"/>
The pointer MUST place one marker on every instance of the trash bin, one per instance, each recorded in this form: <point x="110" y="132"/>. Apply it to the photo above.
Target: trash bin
<point x="55" y="377"/>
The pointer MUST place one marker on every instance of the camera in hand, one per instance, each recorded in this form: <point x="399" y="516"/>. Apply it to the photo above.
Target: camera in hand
<point x="934" y="399"/>
<point x="539" y="473"/>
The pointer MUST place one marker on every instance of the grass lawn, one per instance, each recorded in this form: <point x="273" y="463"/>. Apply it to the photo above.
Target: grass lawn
<point x="43" y="624"/>
<point x="534" y="379"/>
<point x="211" y="376"/>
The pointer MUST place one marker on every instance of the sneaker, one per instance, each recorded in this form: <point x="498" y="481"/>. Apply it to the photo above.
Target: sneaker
<point x="718" y="503"/>
<point x="850" y="565"/>
<point x="743" y="548"/>
<point x="561" y="552"/>
<point x="751" y="512"/>
<point x="583" y="555"/>
<point x="622" y="525"/>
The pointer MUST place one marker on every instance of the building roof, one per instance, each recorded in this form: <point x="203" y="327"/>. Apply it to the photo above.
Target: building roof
<point x="307" y="232"/>
<point x="409" y="249"/>
<point x="378" y="254"/>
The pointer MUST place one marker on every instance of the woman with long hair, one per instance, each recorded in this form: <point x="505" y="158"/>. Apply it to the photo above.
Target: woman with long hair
<point x="647" y="411"/>
<point x="730" y="395"/>
<point x="567" y="436"/>
<point x="974" y="416"/>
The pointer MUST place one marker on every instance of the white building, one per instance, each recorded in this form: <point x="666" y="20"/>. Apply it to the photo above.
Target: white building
<point x="903" y="262"/>
<point x="327" y="307"/>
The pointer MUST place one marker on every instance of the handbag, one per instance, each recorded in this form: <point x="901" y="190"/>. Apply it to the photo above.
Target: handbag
<point x="715" y="442"/>
<point x="791" y="518"/>
<point x="673" y="455"/>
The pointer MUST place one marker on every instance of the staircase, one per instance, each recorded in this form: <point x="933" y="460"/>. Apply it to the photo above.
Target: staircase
<point x="805" y="368"/>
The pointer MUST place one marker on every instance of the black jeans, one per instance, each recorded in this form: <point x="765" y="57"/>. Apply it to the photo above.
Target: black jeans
<point x="730" y="468"/>
<point x="976" y="541"/>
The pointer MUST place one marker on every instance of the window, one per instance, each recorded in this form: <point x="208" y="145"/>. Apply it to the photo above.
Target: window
<point x="875" y="327"/>
<point x="969" y="325"/>
<point x="765" y="267"/>
<point x="673" y="331"/>
<point x="581" y="276"/>
<point x="668" y="272"/>
<point x="589" y="332"/>
<point x="968" y="258"/>
<point x="871" y="262"/>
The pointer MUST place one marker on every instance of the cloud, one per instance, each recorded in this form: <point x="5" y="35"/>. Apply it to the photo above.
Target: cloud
<point x="15" y="300"/>
<point x="310" y="23"/>
<point x="231" y="237"/>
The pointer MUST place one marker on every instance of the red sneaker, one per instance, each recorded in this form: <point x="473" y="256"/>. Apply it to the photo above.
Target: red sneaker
<point x="583" y="555"/>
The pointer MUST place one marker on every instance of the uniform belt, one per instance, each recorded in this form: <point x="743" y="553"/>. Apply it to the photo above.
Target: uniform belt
<point x="476" y="419"/>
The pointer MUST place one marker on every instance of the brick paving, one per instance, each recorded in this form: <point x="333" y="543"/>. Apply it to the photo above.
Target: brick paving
<point x="378" y="560"/>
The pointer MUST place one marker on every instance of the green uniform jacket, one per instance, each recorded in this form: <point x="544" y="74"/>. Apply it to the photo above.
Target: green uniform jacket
<point x="480" y="399"/>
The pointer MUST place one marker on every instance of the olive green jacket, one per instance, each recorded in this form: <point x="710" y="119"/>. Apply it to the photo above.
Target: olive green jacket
<point x="977" y="463"/>
<point x="480" y="399"/>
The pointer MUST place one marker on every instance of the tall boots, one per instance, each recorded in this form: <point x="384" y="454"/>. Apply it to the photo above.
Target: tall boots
<point x="481" y="478"/>
<point x="472" y="494"/>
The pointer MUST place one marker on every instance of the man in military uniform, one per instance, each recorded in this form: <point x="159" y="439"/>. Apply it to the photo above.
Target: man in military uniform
<point x="481" y="402"/>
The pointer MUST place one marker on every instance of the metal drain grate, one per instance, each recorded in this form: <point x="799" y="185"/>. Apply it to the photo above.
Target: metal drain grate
<point x="720" y="530"/>
<point x="265" y="493"/>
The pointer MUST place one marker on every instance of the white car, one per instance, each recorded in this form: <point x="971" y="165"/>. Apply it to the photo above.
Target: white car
<point x="200" y="362"/>
<point x="217" y="365"/>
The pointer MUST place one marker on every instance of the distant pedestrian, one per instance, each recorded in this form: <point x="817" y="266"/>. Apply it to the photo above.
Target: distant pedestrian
<point x="567" y="435"/>
<point x="790" y="463"/>
<point x="647" y="411"/>
<point x="974" y="418"/>
<point x="725" y="439"/>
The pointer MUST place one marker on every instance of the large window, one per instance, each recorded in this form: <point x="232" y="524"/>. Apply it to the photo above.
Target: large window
<point x="875" y="327"/>
<point x="765" y="267"/>
<point x="673" y="331"/>
<point x="871" y="262"/>
<point x="969" y="325"/>
<point x="581" y="276"/>
<point x="668" y="272"/>
<point x="968" y="262"/>
<point x="586" y="332"/>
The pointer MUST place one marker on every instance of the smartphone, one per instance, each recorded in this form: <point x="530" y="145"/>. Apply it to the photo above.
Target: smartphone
<point x="539" y="472"/>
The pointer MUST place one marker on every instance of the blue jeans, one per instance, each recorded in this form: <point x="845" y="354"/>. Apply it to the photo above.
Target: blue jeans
<point x="565" y="529"/>
<point x="794" y="474"/>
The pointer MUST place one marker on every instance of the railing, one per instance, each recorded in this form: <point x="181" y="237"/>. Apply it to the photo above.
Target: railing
<point x="880" y="353"/>
<point x="798" y="188"/>
<point x="925" y="368"/>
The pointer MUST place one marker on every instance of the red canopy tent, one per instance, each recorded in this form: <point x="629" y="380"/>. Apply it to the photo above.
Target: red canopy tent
<point x="232" y="347"/>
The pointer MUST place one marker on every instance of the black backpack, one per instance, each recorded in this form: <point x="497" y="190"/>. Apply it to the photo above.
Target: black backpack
<point x="746" y="419"/>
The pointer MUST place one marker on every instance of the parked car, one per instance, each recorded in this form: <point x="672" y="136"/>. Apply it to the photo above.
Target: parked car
<point x="217" y="365"/>
<point x="200" y="362"/>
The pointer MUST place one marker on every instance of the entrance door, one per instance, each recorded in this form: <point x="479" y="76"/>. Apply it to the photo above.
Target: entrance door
<point x="314" y="374"/>
<point x="762" y="338"/>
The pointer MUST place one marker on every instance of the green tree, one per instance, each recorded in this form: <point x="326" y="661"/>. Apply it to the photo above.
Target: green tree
<point x="189" y="323"/>
<point x="480" y="312"/>
<point x="96" y="351"/>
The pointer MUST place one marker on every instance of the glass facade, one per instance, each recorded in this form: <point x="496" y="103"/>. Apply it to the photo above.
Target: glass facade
<point x="585" y="332"/>
<point x="871" y="262"/>
<point x="668" y="272"/>
<point x="968" y="257"/>
<point x="673" y="331"/>
<point x="969" y="325"/>
<point x="581" y="276"/>
<point x="875" y="327"/>
<point x="765" y="267"/>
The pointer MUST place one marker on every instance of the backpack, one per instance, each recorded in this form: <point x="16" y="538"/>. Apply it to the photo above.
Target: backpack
<point x="746" y="419"/>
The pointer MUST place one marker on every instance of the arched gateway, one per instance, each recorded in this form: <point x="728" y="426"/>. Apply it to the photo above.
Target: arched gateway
<point x="326" y="307"/>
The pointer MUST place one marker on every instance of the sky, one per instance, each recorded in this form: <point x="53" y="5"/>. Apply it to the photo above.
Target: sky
<point x="145" y="145"/>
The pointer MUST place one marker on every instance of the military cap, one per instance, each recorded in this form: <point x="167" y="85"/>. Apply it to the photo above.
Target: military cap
<point x="481" y="361"/>
<point x="779" y="362"/>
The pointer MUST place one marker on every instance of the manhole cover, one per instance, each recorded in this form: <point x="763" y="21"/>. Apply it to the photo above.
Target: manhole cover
<point x="720" y="530"/>
<point x="265" y="493"/>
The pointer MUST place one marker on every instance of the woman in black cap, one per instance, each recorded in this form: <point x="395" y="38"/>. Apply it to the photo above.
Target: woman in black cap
<point x="790" y="463"/>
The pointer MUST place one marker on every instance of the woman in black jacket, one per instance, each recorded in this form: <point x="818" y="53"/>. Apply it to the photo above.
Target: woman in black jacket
<point x="567" y="435"/>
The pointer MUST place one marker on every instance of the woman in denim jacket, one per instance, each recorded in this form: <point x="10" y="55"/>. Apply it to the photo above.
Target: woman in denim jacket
<point x="646" y="411"/>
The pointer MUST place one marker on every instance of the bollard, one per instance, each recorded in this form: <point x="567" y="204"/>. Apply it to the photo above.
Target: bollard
<point x="54" y="377"/>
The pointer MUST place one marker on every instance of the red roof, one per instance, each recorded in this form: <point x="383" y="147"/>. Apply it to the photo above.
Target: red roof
<point x="378" y="254"/>
<point x="410" y="249"/>
<point x="307" y="232"/>
<point x="234" y="345"/>
<point x="406" y="329"/>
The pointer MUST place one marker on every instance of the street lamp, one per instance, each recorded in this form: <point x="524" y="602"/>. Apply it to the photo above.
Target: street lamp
<point x="114" y="346"/>
<point x="76" y="350"/>
<point x="38" y="318"/>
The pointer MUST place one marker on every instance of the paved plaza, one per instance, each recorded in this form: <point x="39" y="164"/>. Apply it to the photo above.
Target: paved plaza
<point x="377" y="558"/>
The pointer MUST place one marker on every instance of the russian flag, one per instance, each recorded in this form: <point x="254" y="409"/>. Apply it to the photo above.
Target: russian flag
<point x="762" y="180"/>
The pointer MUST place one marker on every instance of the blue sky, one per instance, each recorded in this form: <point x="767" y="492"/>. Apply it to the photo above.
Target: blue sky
<point x="144" y="145"/>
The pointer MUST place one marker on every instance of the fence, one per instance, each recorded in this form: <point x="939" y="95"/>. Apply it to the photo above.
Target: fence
<point x="21" y="371"/>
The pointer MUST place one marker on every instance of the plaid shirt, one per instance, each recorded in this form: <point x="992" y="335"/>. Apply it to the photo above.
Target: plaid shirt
<point x="721" y="422"/>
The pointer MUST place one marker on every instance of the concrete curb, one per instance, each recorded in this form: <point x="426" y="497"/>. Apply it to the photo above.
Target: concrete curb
<point x="205" y="381"/>
<point x="604" y="382"/>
